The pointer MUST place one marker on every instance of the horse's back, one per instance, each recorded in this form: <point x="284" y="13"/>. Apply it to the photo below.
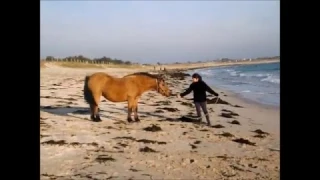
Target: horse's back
<point x="100" y="75"/>
<point x="97" y="80"/>
<point x="112" y="88"/>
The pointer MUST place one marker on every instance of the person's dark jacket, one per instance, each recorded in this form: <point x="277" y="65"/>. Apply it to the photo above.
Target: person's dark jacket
<point x="199" y="91"/>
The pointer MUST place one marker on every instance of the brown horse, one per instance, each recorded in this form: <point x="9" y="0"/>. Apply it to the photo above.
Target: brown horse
<point x="128" y="88"/>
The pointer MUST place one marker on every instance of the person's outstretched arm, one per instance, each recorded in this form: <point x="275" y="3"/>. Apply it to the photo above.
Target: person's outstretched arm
<point x="189" y="90"/>
<point x="210" y="90"/>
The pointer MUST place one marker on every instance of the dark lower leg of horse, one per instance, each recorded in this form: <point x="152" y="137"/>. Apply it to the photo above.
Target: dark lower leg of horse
<point x="129" y="119"/>
<point x="97" y="119"/>
<point x="92" y="116"/>
<point x="95" y="113"/>
<point x="136" y="117"/>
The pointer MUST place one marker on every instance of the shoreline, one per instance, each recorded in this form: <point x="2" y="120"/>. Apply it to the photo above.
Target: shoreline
<point x="246" y="100"/>
<point x="188" y="67"/>
<point x="237" y="95"/>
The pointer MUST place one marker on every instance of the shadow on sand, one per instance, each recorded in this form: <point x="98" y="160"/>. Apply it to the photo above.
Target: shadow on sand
<point x="70" y="111"/>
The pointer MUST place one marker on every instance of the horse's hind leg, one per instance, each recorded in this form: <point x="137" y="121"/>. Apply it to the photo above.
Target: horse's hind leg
<point x="95" y="109"/>
<point x="95" y="113"/>
<point x="92" y="116"/>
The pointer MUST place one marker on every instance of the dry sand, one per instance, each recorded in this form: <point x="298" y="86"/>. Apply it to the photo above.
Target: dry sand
<point x="73" y="147"/>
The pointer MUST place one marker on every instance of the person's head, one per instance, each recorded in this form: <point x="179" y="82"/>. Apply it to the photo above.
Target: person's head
<point x="196" y="77"/>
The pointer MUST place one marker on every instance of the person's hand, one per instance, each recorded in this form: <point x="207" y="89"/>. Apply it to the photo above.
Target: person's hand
<point x="178" y="96"/>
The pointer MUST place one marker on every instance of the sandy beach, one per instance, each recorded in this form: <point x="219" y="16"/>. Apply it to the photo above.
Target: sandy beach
<point x="243" y="143"/>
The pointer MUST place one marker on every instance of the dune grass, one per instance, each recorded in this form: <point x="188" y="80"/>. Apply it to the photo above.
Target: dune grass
<point x="97" y="66"/>
<point x="123" y="66"/>
<point x="78" y="65"/>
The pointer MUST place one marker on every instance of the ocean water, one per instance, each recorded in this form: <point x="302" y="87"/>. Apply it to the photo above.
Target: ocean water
<point x="256" y="82"/>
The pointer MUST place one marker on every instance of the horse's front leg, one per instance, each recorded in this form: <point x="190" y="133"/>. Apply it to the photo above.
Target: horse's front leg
<point x="136" y="117"/>
<point x="130" y="106"/>
<point x="135" y="109"/>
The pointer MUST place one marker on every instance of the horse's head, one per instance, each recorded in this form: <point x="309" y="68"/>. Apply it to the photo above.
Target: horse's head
<point x="162" y="87"/>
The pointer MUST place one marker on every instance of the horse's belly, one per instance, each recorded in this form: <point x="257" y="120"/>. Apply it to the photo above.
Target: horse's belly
<point x="116" y="100"/>
<point x="115" y="97"/>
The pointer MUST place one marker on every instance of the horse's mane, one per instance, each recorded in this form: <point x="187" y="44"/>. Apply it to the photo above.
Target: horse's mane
<point x="144" y="74"/>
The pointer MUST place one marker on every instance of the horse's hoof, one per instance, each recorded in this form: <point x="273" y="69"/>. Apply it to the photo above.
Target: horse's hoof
<point x="137" y="120"/>
<point x="96" y="119"/>
<point x="130" y="120"/>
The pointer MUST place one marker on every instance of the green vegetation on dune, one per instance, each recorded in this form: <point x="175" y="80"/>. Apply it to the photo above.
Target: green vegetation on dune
<point x="89" y="65"/>
<point x="79" y="65"/>
<point x="86" y="60"/>
<point x="105" y="62"/>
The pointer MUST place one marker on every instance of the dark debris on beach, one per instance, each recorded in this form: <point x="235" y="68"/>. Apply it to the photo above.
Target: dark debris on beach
<point x="147" y="149"/>
<point x="153" y="128"/>
<point x="244" y="141"/>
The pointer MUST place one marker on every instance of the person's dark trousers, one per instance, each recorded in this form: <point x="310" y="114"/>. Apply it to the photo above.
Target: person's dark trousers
<point x="203" y="106"/>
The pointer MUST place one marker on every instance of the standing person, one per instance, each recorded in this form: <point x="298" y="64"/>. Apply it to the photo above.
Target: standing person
<point x="199" y="88"/>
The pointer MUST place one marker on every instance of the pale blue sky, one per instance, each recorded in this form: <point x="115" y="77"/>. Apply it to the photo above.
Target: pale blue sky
<point x="160" y="31"/>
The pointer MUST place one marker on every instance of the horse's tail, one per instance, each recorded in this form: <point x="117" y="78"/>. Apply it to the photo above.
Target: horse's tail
<point x="87" y="94"/>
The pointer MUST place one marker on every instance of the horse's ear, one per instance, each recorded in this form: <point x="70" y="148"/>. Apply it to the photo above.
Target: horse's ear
<point x="162" y="77"/>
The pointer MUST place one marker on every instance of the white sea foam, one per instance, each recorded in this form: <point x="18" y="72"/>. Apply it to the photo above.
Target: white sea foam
<point x="246" y="91"/>
<point x="259" y="82"/>
<point x="272" y="79"/>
